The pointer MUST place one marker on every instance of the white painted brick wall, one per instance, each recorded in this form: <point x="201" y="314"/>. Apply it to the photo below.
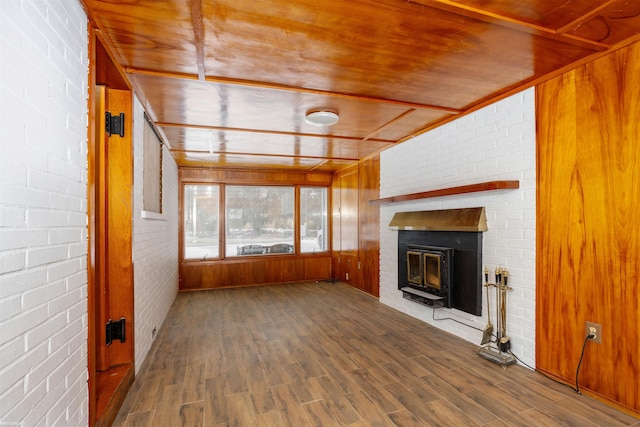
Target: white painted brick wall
<point x="155" y="247"/>
<point x="494" y="143"/>
<point x="43" y="213"/>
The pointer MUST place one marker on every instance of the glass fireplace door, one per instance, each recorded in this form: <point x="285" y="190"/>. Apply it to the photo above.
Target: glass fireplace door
<point x="414" y="267"/>
<point x="432" y="273"/>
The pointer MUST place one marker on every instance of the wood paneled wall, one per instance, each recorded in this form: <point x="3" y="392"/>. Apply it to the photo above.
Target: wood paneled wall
<point x="588" y="244"/>
<point x="369" y="218"/>
<point x="356" y="243"/>
<point x="252" y="270"/>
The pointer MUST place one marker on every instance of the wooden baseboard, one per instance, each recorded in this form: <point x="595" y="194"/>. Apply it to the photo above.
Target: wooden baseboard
<point x="112" y="387"/>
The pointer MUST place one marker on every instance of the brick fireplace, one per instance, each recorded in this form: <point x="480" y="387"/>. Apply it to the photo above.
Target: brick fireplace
<point x="496" y="142"/>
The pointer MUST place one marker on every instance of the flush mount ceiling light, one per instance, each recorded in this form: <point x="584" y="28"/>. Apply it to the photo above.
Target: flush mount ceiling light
<point x="321" y="117"/>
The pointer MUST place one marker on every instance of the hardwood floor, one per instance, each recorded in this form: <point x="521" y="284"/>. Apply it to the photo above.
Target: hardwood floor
<point x="323" y="354"/>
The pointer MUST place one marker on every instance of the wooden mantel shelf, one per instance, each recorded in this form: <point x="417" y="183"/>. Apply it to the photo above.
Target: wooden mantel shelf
<point x="463" y="189"/>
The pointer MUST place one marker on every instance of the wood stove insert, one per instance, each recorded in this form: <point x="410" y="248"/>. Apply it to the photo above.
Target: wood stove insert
<point x="440" y="257"/>
<point x="429" y="271"/>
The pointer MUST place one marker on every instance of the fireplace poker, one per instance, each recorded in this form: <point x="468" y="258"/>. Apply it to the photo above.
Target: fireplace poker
<point x="504" y="343"/>
<point x="498" y="317"/>
<point x="488" y="330"/>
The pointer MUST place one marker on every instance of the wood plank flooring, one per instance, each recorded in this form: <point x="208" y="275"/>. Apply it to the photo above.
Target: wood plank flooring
<point x="323" y="354"/>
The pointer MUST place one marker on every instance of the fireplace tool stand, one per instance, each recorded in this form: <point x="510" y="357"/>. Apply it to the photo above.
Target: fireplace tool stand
<point x="500" y="352"/>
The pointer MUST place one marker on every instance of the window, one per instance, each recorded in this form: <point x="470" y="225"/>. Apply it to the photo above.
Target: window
<point x="259" y="220"/>
<point x="313" y="219"/>
<point x="200" y="221"/>
<point x="152" y="169"/>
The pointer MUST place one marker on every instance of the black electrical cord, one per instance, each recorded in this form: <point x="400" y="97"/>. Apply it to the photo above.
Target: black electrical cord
<point x="584" y="345"/>
<point x="521" y="362"/>
<point x="455" y="320"/>
<point x="577" y="387"/>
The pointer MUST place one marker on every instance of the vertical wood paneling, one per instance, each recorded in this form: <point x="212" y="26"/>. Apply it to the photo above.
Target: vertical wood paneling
<point x="346" y="227"/>
<point x="369" y="219"/>
<point x="356" y="241"/>
<point x="254" y="271"/>
<point x="588" y="229"/>
<point x="349" y="212"/>
<point x="335" y="228"/>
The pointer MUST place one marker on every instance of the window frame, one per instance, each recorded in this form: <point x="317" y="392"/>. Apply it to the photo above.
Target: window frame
<point x="324" y="247"/>
<point x="183" y="220"/>
<point x="222" y="221"/>
<point x="253" y="249"/>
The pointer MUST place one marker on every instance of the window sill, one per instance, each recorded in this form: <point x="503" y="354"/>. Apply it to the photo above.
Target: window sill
<point x="154" y="216"/>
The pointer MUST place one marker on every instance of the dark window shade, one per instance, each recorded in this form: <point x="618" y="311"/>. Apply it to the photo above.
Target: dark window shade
<point x="152" y="175"/>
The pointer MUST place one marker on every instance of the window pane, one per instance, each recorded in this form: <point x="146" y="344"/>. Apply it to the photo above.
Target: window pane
<point x="313" y="219"/>
<point x="201" y="235"/>
<point x="259" y="220"/>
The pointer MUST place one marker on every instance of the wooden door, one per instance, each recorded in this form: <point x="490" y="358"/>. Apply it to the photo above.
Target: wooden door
<point x="114" y="179"/>
<point x="111" y="259"/>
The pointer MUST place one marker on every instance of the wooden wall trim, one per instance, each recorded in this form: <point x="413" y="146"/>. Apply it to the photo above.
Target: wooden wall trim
<point x="91" y="230"/>
<point x="247" y="177"/>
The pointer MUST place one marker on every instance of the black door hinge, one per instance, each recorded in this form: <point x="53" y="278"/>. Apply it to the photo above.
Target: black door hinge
<point x="116" y="330"/>
<point x="114" y="124"/>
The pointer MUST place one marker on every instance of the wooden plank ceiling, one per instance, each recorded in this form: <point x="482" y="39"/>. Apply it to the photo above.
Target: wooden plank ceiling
<point x="228" y="82"/>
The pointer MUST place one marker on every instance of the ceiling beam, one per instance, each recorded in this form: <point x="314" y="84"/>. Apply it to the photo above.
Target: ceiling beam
<point x="287" y="156"/>
<point x="474" y="12"/>
<point x="277" y="86"/>
<point x="516" y="23"/>
<point x="389" y="124"/>
<point x="198" y="36"/>
<point x="273" y="132"/>
<point x="571" y="25"/>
